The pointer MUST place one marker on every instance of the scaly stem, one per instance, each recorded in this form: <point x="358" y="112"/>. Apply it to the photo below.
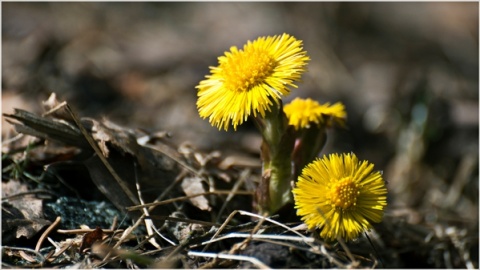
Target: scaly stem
<point x="308" y="145"/>
<point x="277" y="170"/>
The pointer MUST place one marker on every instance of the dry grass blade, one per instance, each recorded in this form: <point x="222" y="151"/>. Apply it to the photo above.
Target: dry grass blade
<point x="154" y="204"/>
<point x="461" y="178"/>
<point x="128" y="231"/>
<point x="47" y="232"/>
<point x="106" y="251"/>
<point x="252" y="260"/>
<point x="59" y="250"/>
<point x="148" y="222"/>
<point x="187" y="220"/>
<point x="124" y="236"/>
<point x="82" y="231"/>
<point x="22" y="194"/>
<point x="259" y="237"/>
<point x="38" y="254"/>
<point x="243" y="176"/>
<point x="241" y="212"/>
<point x="339" y="239"/>
<point x="224" y="224"/>
<point x="317" y="249"/>
<point x="168" y="152"/>
<point x="6" y="142"/>
<point x="322" y="246"/>
<point x="100" y="154"/>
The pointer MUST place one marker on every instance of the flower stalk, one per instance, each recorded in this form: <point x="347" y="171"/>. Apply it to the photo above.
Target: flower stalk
<point x="277" y="167"/>
<point x="311" y="120"/>
<point x="308" y="144"/>
<point x="337" y="194"/>
<point x="250" y="83"/>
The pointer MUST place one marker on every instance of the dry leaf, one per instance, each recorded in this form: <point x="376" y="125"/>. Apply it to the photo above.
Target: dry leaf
<point x="126" y="163"/>
<point x="15" y="224"/>
<point x="193" y="185"/>
<point x="90" y="238"/>
<point x="21" y="216"/>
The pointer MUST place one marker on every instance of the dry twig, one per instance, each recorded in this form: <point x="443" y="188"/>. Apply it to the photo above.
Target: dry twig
<point x="47" y="232"/>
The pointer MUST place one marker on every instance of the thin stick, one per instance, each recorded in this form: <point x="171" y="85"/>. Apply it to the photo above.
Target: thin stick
<point x="82" y="231"/>
<point x="167" y="190"/>
<point x="139" y="245"/>
<point x="21" y="194"/>
<point x="147" y="220"/>
<point x="322" y="246"/>
<point x="12" y="139"/>
<point x="128" y="231"/>
<point x="46" y="232"/>
<point x="375" y="250"/>
<point x="289" y="245"/>
<point x="60" y="250"/>
<point x="271" y="221"/>
<point x="137" y="207"/>
<point x="104" y="160"/>
<point x="120" y="241"/>
<point x="26" y="249"/>
<point x="252" y="260"/>
<point x="166" y="151"/>
<point x="259" y="237"/>
<point x="224" y="224"/>
<point x="339" y="239"/>
<point x="248" y="239"/>
<point x="241" y="179"/>
<point x="347" y="250"/>
<point x="331" y="258"/>
<point x="114" y="223"/>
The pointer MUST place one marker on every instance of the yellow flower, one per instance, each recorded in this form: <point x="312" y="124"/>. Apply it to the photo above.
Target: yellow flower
<point x="340" y="196"/>
<point x="335" y="113"/>
<point x="302" y="112"/>
<point x="248" y="81"/>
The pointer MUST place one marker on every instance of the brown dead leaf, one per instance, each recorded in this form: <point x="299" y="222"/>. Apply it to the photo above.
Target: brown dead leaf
<point x="193" y="185"/>
<point x="22" y="215"/>
<point x="15" y="224"/>
<point x="117" y="163"/>
<point x="240" y="161"/>
<point x="90" y="238"/>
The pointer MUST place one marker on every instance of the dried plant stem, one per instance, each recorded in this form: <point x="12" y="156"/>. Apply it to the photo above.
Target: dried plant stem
<point x="252" y="260"/>
<point x="148" y="222"/>
<point x="26" y="250"/>
<point x="82" y="231"/>
<point x="261" y="237"/>
<point x="97" y="150"/>
<point x="47" y="232"/>
<point x="182" y="198"/>
<point x="243" y="176"/>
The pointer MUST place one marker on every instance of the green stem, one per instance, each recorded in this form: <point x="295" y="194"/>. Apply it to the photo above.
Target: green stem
<point x="279" y="189"/>
<point x="278" y="141"/>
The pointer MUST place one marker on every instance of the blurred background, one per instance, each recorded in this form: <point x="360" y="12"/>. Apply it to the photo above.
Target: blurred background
<point x="407" y="73"/>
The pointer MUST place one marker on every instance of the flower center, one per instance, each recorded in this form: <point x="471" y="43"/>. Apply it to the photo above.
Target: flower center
<point x="246" y="69"/>
<point x="344" y="193"/>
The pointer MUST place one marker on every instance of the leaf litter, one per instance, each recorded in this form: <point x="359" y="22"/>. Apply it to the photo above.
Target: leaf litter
<point x="178" y="207"/>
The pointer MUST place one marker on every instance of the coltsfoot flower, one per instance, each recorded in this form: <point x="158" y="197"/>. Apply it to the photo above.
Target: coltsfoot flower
<point x="247" y="82"/>
<point x="340" y="195"/>
<point x="302" y="113"/>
